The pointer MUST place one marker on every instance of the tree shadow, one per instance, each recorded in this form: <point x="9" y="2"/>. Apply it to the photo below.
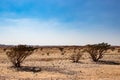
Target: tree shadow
<point x="29" y="69"/>
<point x="45" y="68"/>
<point x="58" y="70"/>
<point x="79" y="62"/>
<point x="108" y="62"/>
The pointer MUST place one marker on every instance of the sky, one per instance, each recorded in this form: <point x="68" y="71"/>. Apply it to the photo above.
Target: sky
<point x="59" y="22"/>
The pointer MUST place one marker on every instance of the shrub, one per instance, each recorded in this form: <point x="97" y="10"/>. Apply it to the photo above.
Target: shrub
<point x="48" y="53"/>
<point x="96" y="51"/>
<point x="118" y="50"/>
<point x="75" y="57"/>
<point x="41" y="49"/>
<point x="17" y="54"/>
<point x="62" y="51"/>
<point x="112" y="48"/>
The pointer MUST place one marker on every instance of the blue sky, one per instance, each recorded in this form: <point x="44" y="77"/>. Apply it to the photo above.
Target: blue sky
<point x="59" y="22"/>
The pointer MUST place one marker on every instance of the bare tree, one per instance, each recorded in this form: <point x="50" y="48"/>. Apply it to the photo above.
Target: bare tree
<point x="96" y="51"/>
<point x="17" y="54"/>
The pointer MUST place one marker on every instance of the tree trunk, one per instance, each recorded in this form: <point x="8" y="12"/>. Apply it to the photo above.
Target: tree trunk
<point x="17" y="65"/>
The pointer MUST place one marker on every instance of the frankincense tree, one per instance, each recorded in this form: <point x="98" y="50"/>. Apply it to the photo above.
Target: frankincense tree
<point x="17" y="54"/>
<point x="96" y="51"/>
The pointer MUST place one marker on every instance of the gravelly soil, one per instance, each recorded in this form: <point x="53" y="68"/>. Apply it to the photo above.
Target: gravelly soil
<point x="40" y="66"/>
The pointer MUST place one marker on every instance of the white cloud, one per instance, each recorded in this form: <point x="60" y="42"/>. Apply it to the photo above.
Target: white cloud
<point x="33" y="31"/>
<point x="51" y="32"/>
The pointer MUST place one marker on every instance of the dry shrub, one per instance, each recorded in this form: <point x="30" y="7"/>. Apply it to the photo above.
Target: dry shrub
<point x="17" y="54"/>
<point x="77" y="54"/>
<point x="76" y="57"/>
<point x="62" y="50"/>
<point x="118" y="50"/>
<point x="96" y="51"/>
<point x="48" y="53"/>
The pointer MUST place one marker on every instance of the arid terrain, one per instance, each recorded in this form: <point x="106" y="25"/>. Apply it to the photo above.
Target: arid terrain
<point x="49" y="64"/>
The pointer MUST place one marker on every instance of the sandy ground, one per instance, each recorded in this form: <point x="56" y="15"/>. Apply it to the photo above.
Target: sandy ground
<point x="54" y="66"/>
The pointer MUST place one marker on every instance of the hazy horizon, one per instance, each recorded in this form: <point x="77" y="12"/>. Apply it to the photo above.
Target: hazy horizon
<point x="59" y="22"/>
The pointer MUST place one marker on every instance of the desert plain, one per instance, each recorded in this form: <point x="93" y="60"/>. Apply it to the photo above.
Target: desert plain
<point x="49" y="63"/>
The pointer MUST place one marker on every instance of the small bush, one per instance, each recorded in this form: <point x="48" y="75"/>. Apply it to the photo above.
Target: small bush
<point x="96" y="51"/>
<point x="77" y="54"/>
<point x="76" y="57"/>
<point x="112" y="48"/>
<point x="48" y="54"/>
<point x="62" y="50"/>
<point x="17" y="54"/>
<point x="118" y="50"/>
<point x="41" y="49"/>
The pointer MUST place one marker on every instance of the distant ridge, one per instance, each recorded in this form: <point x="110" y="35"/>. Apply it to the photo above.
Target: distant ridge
<point x="49" y="46"/>
<point x="3" y="45"/>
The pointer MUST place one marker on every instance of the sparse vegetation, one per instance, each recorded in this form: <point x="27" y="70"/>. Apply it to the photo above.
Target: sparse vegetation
<point x="118" y="50"/>
<point x="96" y="51"/>
<point x="60" y="66"/>
<point x="48" y="53"/>
<point x="62" y="50"/>
<point x="41" y="49"/>
<point x="112" y="48"/>
<point x="17" y="54"/>
<point x="75" y="57"/>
